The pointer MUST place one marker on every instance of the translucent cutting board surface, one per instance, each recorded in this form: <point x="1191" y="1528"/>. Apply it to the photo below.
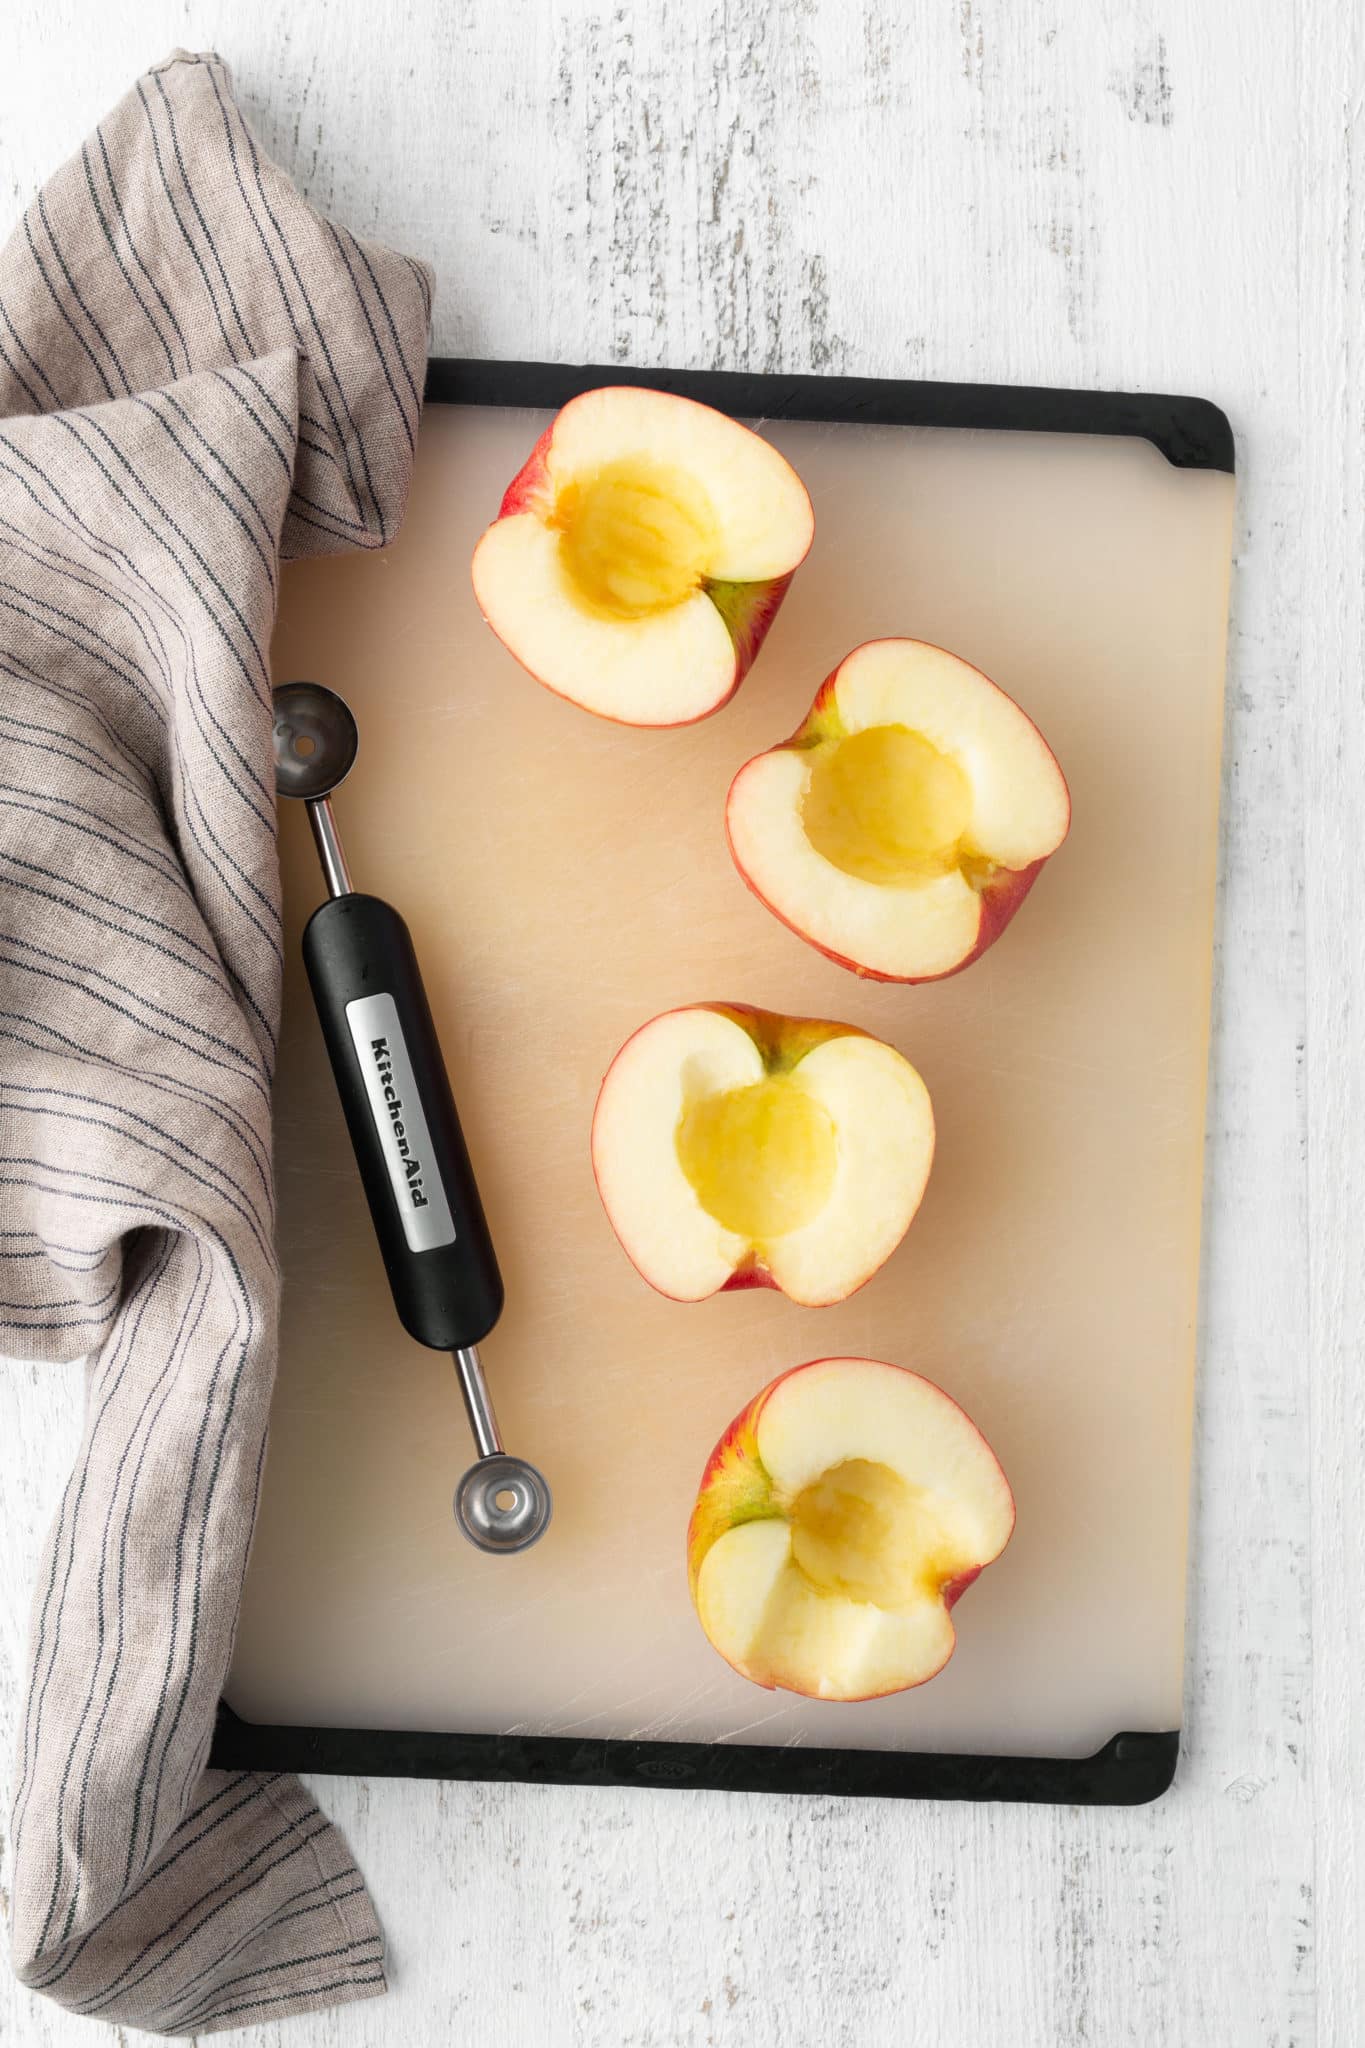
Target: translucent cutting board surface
<point x="565" y="880"/>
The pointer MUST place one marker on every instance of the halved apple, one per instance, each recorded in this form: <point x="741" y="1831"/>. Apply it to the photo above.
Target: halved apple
<point x="905" y="822"/>
<point x="839" y="1519"/>
<point x="734" y="1148"/>
<point x="641" y="554"/>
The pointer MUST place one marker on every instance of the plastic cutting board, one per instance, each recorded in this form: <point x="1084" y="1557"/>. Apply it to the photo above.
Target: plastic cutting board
<point x="565" y="880"/>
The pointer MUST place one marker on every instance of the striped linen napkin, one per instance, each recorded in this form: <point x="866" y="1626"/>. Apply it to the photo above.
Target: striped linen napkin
<point x="198" y="375"/>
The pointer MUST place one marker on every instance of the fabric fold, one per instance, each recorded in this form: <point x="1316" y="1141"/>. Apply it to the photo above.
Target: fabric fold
<point x="198" y="376"/>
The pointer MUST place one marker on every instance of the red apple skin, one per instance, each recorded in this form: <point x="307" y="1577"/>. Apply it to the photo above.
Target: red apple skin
<point x="771" y="1033"/>
<point x="955" y="1588"/>
<point x="745" y="1278"/>
<point x="529" y="490"/>
<point x="734" y="1477"/>
<point x="747" y="609"/>
<point x="1000" y="897"/>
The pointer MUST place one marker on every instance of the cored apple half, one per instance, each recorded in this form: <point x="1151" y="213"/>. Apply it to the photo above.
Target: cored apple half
<point x="641" y="554"/>
<point x="900" y="829"/>
<point x="839" y="1519"/>
<point x="734" y="1148"/>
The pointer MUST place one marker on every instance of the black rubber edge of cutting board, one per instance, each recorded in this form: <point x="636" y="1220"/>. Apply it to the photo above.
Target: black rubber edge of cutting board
<point x="1192" y="433"/>
<point x="1131" y="1768"/>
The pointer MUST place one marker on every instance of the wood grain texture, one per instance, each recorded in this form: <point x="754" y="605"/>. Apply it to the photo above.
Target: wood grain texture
<point x="1083" y="191"/>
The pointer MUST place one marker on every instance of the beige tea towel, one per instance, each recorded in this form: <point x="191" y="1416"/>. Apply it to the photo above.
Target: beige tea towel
<point x="198" y="375"/>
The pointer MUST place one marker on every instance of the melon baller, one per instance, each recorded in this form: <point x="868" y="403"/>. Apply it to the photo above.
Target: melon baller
<point x="391" y="1077"/>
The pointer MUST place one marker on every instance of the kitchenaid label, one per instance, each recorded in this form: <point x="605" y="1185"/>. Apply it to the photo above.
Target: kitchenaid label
<point x="397" y="1110"/>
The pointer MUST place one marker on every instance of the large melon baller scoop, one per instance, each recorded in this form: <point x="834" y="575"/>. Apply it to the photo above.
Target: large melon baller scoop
<point x="396" y="1096"/>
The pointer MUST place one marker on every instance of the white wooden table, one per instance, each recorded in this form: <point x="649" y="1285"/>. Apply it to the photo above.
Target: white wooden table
<point x="1159" y="193"/>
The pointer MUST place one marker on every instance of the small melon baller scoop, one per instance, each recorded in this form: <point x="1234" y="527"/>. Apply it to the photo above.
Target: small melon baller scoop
<point x="392" y="1080"/>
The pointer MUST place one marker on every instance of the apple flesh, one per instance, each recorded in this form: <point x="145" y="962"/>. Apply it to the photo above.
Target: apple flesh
<point x="838" y="1521"/>
<point x="641" y="554"/>
<point x="905" y="822"/>
<point x="734" y="1148"/>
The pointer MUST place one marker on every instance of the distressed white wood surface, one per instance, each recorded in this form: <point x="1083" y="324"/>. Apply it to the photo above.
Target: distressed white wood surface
<point x="1160" y="193"/>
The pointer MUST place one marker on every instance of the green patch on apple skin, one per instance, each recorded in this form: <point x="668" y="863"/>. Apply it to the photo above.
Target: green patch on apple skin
<point x="784" y="1041"/>
<point x="789" y="1051"/>
<point x="823" y="722"/>
<point x="736" y="603"/>
<point x="740" y="1490"/>
<point x="751" y="1497"/>
<point x="747" y="609"/>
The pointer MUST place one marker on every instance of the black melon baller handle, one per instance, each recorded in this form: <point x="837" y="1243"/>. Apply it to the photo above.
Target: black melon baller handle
<point x="395" y="1093"/>
<point x="377" y="1026"/>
